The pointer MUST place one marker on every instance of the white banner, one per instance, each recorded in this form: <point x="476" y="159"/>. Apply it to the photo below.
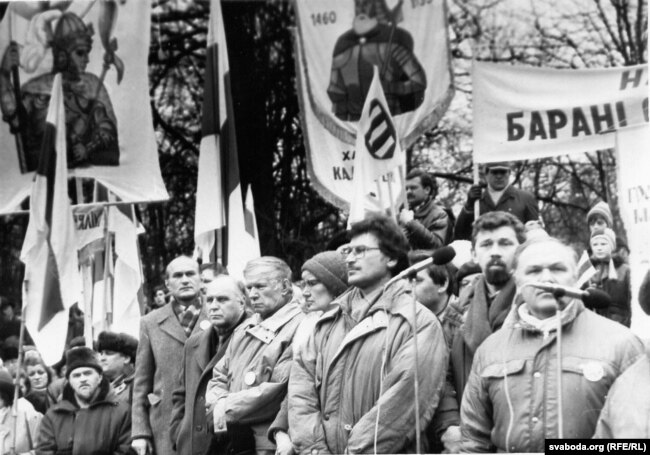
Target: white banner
<point x="337" y="44"/>
<point x="527" y="113"/>
<point x="101" y="49"/>
<point x="633" y="158"/>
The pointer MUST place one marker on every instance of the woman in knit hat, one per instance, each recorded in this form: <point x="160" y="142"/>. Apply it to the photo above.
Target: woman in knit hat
<point x="614" y="281"/>
<point x="324" y="277"/>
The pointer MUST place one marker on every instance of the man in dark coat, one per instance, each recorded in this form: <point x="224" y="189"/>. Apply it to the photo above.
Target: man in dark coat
<point x="226" y="304"/>
<point x="89" y="419"/>
<point x="117" y="358"/>
<point x="499" y="195"/>
<point x="494" y="242"/>
<point x="163" y="334"/>
<point x="427" y="225"/>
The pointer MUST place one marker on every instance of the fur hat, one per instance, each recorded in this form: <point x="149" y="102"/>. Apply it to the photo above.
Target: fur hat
<point x="81" y="357"/>
<point x="117" y="342"/>
<point x="603" y="210"/>
<point x="330" y="269"/>
<point x="607" y="234"/>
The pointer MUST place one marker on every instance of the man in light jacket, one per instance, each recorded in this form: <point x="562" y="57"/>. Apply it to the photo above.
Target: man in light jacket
<point x="511" y="399"/>
<point x="250" y="381"/>
<point x="353" y="383"/>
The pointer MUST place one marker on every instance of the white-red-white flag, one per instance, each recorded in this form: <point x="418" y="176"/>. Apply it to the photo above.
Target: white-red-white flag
<point x="52" y="280"/>
<point x="378" y="156"/>
<point x="219" y="201"/>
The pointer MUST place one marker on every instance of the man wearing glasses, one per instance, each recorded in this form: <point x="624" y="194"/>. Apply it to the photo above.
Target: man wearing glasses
<point x="499" y="195"/>
<point x="352" y="385"/>
<point x="250" y="381"/>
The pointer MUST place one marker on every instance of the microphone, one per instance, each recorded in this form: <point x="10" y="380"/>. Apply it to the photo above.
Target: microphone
<point x="592" y="297"/>
<point x="441" y="256"/>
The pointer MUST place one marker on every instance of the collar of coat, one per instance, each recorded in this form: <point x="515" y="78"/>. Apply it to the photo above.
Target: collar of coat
<point x="571" y="312"/>
<point x="266" y="329"/>
<point x="68" y="401"/>
<point x="396" y="300"/>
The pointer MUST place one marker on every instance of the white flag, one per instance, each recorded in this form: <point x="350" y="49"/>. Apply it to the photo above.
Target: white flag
<point x="378" y="156"/>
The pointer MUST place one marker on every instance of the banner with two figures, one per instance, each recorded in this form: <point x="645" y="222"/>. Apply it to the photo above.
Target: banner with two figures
<point x="103" y="64"/>
<point x="338" y="42"/>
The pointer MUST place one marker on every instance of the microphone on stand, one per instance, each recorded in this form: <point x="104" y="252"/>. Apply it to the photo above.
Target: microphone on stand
<point x="441" y="256"/>
<point x="592" y="297"/>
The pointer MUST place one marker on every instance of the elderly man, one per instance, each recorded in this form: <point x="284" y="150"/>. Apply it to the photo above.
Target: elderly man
<point x="250" y="381"/>
<point x="352" y="385"/>
<point x="226" y="303"/>
<point x="117" y="358"/>
<point x="89" y="418"/>
<point x="427" y="225"/>
<point x="499" y="195"/>
<point x="495" y="239"/>
<point x="163" y="333"/>
<point x="511" y="399"/>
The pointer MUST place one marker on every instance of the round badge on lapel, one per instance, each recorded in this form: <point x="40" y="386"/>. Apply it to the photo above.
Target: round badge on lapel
<point x="205" y="324"/>
<point x="249" y="378"/>
<point x="593" y="371"/>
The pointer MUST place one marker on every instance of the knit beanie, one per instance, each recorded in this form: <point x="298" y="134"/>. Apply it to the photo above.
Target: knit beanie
<point x="117" y="342"/>
<point x="607" y="234"/>
<point x="601" y="209"/>
<point x="81" y="357"/>
<point x="330" y="269"/>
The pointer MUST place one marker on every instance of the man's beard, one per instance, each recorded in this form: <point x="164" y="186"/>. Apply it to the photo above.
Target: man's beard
<point x="496" y="272"/>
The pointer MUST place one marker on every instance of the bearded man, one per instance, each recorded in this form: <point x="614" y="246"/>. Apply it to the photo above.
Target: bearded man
<point x="495" y="238"/>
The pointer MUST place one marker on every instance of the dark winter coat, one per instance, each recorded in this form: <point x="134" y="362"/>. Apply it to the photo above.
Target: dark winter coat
<point x="519" y="203"/>
<point x="190" y="433"/>
<point x="101" y="429"/>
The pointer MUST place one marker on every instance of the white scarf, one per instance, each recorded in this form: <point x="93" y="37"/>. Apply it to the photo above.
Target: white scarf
<point x="546" y="326"/>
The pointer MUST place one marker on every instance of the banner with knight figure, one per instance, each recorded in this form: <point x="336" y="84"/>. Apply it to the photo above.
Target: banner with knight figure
<point x="338" y="42"/>
<point x="101" y="50"/>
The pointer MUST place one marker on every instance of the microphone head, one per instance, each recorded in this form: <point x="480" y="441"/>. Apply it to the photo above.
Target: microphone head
<point x="596" y="298"/>
<point x="443" y="255"/>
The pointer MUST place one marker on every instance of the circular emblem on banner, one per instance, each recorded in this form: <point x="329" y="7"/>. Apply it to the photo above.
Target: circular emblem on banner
<point x="593" y="371"/>
<point x="205" y="325"/>
<point x="249" y="378"/>
<point x="381" y="138"/>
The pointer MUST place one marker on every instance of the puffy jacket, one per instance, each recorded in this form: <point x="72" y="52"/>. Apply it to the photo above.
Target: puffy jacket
<point x="620" y="291"/>
<point x="517" y="364"/>
<point x="249" y="383"/>
<point x="626" y="413"/>
<point x="26" y="424"/>
<point x="335" y="386"/>
<point x="101" y="429"/>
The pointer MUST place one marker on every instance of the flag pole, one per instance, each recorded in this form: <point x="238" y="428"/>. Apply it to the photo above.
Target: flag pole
<point x="477" y="203"/>
<point x="108" y="304"/>
<point x="19" y="364"/>
<point x="391" y="198"/>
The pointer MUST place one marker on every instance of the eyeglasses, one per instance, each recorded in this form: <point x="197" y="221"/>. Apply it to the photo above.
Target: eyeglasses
<point x="358" y="251"/>
<point x="498" y="171"/>
<point x="304" y="284"/>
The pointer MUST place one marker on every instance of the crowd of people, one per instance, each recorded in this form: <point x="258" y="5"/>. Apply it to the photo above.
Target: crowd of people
<point x="359" y="356"/>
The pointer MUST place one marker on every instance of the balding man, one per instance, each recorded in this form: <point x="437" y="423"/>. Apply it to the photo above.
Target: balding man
<point x="250" y="381"/>
<point x="511" y="399"/>
<point x="163" y="333"/>
<point x="226" y="302"/>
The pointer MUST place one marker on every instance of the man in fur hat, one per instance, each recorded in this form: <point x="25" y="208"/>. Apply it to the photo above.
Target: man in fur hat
<point x="89" y="418"/>
<point x="117" y="358"/>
